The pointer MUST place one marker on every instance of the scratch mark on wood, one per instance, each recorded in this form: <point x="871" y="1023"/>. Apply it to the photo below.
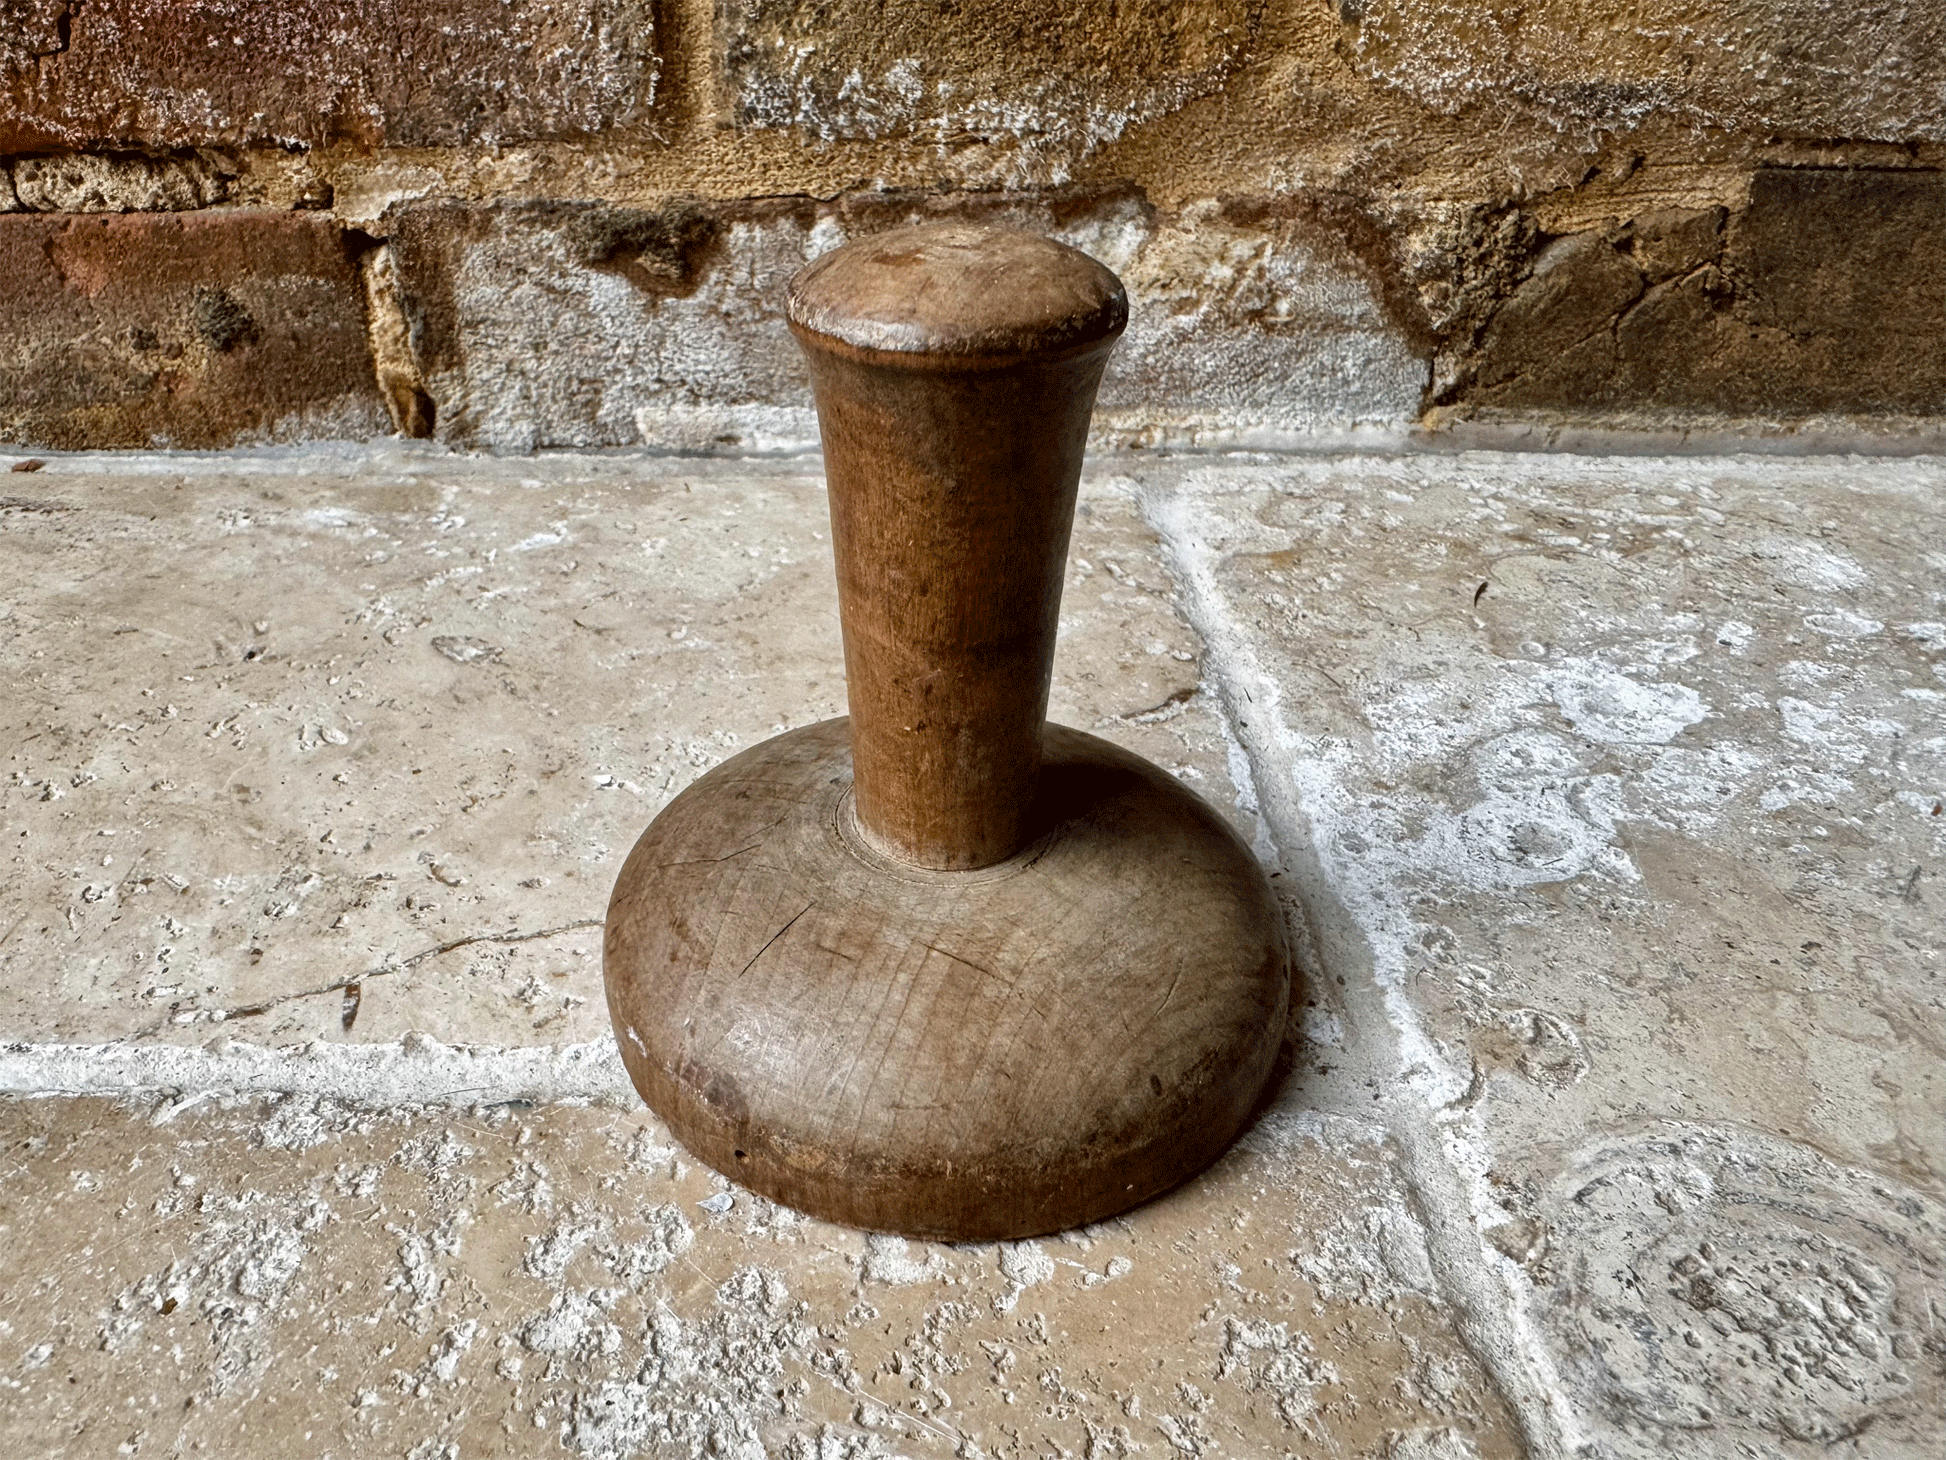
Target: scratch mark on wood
<point x="775" y="936"/>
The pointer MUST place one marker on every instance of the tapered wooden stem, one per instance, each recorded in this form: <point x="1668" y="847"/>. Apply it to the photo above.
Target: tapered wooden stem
<point x="955" y="370"/>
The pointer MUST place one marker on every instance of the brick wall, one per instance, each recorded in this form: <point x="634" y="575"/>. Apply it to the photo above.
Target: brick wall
<point x="534" y="223"/>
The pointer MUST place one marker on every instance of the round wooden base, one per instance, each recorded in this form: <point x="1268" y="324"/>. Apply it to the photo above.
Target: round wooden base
<point x="960" y="1055"/>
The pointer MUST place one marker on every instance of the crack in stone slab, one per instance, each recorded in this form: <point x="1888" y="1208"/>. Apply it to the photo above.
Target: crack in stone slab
<point x="401" y="965"/>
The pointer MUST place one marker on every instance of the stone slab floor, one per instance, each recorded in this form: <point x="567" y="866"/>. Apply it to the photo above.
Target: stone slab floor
<point x="1608" y="801"/>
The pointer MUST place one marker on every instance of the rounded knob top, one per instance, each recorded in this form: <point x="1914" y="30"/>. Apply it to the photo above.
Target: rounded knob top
<point x="966" y="291"/>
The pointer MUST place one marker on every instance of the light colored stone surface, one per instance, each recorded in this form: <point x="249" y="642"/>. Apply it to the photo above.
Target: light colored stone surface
<point x="281" y="726"/>
<point x="536" y="326"/>
<point x="1610" y="1125"/>
<point x="1616" y="787"/>
<point x="324" y="1280"/>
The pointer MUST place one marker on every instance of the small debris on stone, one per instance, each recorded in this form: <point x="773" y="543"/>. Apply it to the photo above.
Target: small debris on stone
<point x="463" y="650"/>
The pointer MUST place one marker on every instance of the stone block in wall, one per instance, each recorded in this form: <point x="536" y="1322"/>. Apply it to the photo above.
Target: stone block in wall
<point x="211" y="73"/>
<point x="84" y="182"/>
<point x="544" y="324"/>
<point x="1825" y="295"/>
<point x="1012" y="90"/>
<point x="1837" y="279"/>
<point x="181" y="329"/>
<point x="550" y="324"/>
<point x="1803" y="68"/>
<point x="1255" y="319"/>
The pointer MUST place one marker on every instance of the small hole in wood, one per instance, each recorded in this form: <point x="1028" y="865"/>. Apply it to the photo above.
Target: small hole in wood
<point x="741" y="1157"/>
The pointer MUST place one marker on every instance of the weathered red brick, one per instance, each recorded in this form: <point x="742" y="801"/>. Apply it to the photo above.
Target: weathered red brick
<point x="195" y="73"/>
<point x="182" y="329"/>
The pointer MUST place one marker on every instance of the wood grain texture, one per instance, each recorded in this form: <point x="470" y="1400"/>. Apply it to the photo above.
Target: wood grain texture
<point x="963" y="293"/>
<point x="952" y="451"/>
<point x="965" y="1055"/>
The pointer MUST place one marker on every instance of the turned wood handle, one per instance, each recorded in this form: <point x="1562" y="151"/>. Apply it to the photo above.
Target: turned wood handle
<point x="955" y="370"/>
